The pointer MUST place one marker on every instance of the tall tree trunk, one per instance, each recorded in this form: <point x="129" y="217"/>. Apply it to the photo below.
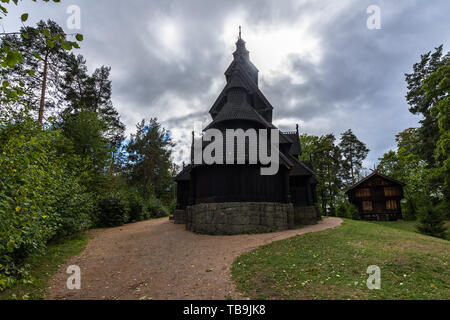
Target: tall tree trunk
<point x="44" y="89"/>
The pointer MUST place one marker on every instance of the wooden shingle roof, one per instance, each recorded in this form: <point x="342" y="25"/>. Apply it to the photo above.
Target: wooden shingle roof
<point x="373" y="174"/>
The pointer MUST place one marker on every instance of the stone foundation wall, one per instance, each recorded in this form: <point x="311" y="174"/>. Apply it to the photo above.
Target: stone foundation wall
<point x="239" y="218"/>
<point x="245" y="218"/>
<point x="306" y="215"/>
<point x="179" y="216"/>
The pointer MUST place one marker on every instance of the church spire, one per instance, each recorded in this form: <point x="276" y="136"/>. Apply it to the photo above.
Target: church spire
<point x="241" y="50"/>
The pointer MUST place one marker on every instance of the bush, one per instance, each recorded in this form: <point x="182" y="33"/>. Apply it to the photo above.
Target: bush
<point x="347" y="210"/>
<point x="155" y="208"/>
<point x="75" y="207"/>
<point x="341" y="210"/>
<point x="112" y="210"/>
<point x="431" y="221"/>
<point x="136" y="207"/>
<point x="32" y="178"/>
<point x="409" y="210"/>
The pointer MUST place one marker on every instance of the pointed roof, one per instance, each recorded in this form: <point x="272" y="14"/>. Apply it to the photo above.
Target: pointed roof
<point x="235" y="109"/>
<point x="249" y="76"/>
<point x="373" y="174"/>
<point x="296" y="148"/>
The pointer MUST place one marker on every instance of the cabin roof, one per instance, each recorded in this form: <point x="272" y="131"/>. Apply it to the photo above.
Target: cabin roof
<point x="373" y="174"/>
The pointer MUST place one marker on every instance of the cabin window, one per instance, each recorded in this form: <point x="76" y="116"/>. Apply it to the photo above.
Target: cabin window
<point x="391" y="192"/>
<point x="367" y="206"/>
<point x="391" y="205"/>
<point x="361" y="193"/>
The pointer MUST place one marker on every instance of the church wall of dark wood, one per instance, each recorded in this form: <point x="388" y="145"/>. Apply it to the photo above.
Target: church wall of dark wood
<point x="182" y="194"/>
<point x="237" y="183"/>
<point x="303" y="193"/>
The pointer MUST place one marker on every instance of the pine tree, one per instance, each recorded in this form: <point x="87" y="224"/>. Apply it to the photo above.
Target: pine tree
<point x="81" y="91"/>
<point x="46" y="58"/>
<point x="354" y="152"/>
<point x="150" y="167"/>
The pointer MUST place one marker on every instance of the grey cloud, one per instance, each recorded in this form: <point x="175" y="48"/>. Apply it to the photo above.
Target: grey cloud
<point x="358" y="83"/>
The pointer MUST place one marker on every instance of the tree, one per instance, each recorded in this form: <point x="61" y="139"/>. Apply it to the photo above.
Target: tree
<point x="326" y="160"/>
<point x="86" y="131"/>
<point x="10" y="55"/>
<point x="421" y="103"/>
<point x="406" y="166"/>
<point x="81" y="91"/>
<point x="354" y="152"/>
<point x="149" y="160"/>
<point x="438" y="85"/>
<point x="43" y="52"/>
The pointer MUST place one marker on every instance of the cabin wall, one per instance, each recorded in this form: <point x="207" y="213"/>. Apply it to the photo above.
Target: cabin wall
<point x="378" y="199"/>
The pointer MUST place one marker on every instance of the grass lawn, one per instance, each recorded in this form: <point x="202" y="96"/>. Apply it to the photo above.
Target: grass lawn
<point x="332" y="265"/>
<point x="405" y="225"/>
<point x="44" y="266"/>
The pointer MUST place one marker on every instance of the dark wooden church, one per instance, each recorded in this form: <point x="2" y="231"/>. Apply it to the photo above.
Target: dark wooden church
<point x="232" y="199"/>
<point x="377" y="197"/>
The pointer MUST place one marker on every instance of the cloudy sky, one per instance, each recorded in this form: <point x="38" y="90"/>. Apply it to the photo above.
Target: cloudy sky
<point x="320" y="65"/>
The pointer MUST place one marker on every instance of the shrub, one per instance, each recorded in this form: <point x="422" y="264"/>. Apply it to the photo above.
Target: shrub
<point x="30" y="172"/>
<point x="409" y="210"/>
<point x="431" y="221"/>
<point x="341" y="210"/>
<point x="354" y="212"/>
<point x="155" y="208"/>
<point x="75" y="207"/>
<point x="136" y="207"/>
<point x="112" y="210"/>
<point x="347" y="210"/>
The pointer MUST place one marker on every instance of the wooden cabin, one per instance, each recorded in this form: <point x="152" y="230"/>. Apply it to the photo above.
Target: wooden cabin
<point x="377" y="197"/>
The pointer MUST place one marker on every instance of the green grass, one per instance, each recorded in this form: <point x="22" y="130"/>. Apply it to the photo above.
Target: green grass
<point x="332" y="265"/>
<point x="44" y="266"/>
<point x="410" y="226"/>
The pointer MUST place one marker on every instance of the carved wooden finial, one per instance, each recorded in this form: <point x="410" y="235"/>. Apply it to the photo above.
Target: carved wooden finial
<point x="240" y="32"/>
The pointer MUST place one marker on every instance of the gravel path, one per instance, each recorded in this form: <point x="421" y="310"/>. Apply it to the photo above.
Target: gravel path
<point x="159" y="260"/>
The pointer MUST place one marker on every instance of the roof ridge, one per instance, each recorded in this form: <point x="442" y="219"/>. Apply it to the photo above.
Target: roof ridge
<point x="374" y="173"/>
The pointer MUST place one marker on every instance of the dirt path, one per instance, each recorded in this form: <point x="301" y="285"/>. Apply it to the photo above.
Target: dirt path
<point x="159" y="260"/>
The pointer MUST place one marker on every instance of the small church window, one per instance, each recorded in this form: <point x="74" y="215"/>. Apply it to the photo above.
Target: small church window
<point x="367" y="206"/>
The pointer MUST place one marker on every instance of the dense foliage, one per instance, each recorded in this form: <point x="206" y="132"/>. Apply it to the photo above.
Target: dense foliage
<point x="336" y="166"/>
<point x="422" y="157"/>
<point x="65" y="165"/>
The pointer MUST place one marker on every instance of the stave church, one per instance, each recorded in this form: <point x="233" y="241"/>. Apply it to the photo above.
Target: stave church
<point x="228" y="199"/>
